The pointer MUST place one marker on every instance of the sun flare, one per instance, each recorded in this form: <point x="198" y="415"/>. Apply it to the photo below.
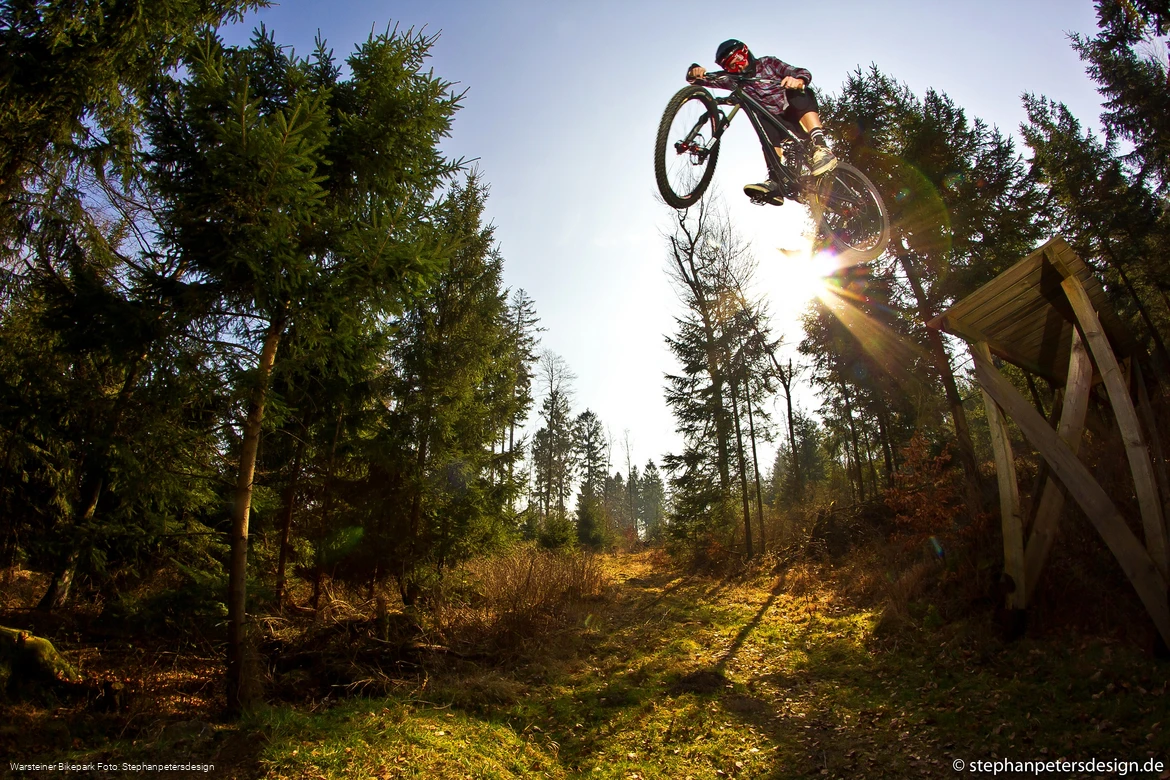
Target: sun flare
<point x="803" y="276"/>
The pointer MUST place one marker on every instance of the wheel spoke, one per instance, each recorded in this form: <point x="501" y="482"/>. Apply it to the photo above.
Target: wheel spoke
<point x="852" y="218"/>
<point x="686" y="148"/>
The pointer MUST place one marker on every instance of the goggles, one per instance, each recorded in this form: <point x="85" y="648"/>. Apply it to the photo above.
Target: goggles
<point x="736" y="60"/>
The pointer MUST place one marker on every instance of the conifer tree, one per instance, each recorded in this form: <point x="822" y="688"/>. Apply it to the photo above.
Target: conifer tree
<point x="590" y="447"/>
<point x="299" y="198"/>
<point x="1113" y="222"/>
<point x="552" y="446"/>
<point x="962" y="208"/>
<point x="652" y="502"/>
<point x="75" y="78"/>
<point x="1128" y="59"/>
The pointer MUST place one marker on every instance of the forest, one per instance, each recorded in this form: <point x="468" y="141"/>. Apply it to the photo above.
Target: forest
<point x="290" y="487"/>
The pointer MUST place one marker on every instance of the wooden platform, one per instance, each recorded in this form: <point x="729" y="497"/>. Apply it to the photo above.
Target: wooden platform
<point x="1025" y="318"/>
<point x="1048" y="314"/>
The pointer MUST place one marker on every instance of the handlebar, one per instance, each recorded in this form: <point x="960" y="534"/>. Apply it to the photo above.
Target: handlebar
<point x="746" y="79"/>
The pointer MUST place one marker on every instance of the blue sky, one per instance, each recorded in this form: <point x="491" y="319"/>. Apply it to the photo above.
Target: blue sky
<point x="562" y="105"/>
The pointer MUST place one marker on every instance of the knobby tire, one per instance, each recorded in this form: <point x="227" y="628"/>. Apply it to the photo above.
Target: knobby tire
<point x="664" y="147"/>
<point x="862" y="236"/>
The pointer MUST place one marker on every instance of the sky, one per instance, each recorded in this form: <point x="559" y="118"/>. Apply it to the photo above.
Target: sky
<point x="562" y="104"/>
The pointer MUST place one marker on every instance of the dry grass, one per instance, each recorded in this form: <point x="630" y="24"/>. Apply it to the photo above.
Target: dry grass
<point x="21" y="589"/>
<point x="510" y="598"/>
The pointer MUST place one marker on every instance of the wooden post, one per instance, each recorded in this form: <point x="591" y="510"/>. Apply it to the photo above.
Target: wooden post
<point x="1146" y="409"/>
<point x="1135" y="561"/>
<point x="1127" y="421"/>
<point x="1070" y="430"/>
<point x="1009" y="492"/>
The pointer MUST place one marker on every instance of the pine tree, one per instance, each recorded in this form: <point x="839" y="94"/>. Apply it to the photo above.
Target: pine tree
<point x="590" y="452"/>
<point x="962" y="208"/>
<point x="76" y="76"/>
<point x="552" y="445"/>
<point x="1128" y="59"/>
<point x="299" y="198"/>
<point x="719" y="349"/>
<point x="1113" y="222"/>
<point x="652" y="503"/>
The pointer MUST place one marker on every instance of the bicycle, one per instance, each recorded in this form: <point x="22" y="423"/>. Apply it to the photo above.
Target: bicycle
<point x="846" y="207"/>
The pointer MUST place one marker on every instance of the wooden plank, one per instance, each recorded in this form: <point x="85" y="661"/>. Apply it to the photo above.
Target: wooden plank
<point x="1070" y="430"/>
<point x="1134" y="560"/>
<point x="1127" y="421"/>
<point x="1009" y="310"/>
<point x="1028" y="324"/>
<point x="1006" y="282"/>
<point x="1009" y="493"/>
<point x="1027" y="299"/>
<point x="1062" y="256"/>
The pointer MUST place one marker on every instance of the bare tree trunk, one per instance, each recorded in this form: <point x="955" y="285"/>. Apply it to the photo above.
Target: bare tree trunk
<point x="237" y="572"/>
<point x="747" y="512"/>
<point x="631" y="488"/>
<point x="286" y="515"/>
<point x="786" y="383"/>
<point x="755" y="466"/>
<point x="942" y="365"/>
<point x="857" y="472"/>
<point x="873" y="478"/>
<point x="326" y="512"/>
<point x="887" y="448"/>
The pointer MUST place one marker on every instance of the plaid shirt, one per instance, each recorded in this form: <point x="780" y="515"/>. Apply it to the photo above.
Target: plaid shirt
<point x="769" y="92"/>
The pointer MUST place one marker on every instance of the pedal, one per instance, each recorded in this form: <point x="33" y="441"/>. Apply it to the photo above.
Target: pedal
<point x="775" y="199"/>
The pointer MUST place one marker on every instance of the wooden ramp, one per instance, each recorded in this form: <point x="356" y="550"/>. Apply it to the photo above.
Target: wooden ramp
<point x="1048" y="315"/>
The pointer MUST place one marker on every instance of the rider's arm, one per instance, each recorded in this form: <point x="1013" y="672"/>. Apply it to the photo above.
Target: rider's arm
<point x="718" y="79"/>
<point x="775" y="68"/>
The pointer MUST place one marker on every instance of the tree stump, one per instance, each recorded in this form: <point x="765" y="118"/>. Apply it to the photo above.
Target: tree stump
<point x="30" y="665"/>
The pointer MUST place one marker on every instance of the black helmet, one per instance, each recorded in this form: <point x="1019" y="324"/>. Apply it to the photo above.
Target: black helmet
<point x="727" y="47"/>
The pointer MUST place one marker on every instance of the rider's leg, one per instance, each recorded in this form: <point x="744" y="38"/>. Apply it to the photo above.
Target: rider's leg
<point x="802" y="106"/>
<point x="811" y="121"/>
<point x="767" y="190"/>
<point x="823" y="160"/>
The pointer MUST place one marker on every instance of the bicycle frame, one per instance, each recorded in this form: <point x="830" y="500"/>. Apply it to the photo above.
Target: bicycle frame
<point x="782" y="174"/>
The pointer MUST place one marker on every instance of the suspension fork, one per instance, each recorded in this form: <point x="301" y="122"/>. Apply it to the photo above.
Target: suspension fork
<point x="724" y="123"/>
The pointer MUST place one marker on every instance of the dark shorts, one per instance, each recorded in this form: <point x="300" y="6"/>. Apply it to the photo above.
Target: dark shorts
<point x="800" y="102"/>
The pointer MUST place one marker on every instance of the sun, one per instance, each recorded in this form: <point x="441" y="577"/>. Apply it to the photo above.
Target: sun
<point x="799" y="275"/>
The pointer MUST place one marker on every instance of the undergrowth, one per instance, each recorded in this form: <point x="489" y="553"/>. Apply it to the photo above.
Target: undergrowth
<point x="866" y="664"/>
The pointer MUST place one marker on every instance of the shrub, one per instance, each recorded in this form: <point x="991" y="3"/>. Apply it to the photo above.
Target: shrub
<point x="924" y="497"/>
<point x="506" y="599"/>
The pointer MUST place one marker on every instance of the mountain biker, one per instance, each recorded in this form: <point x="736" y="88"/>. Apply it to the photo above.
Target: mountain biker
<point x="783" y="92"/>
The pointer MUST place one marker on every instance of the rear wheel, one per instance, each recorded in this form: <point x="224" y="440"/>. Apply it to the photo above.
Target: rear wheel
<point x="685" y="150"/>
<point x="851" y="216"/>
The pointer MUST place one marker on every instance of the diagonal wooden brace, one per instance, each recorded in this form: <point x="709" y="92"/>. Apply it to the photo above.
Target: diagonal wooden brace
<point x="1079" y="482"/>
<point x="1127" y="420"/>
<point x="1070" y="430"/>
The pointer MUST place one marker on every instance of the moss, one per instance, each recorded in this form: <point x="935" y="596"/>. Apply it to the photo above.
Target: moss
<point x="30" y="664"/>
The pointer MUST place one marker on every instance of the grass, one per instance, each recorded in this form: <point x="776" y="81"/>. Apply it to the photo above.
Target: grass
<point x="678" y="677"/>
<point x="673" y="676"/>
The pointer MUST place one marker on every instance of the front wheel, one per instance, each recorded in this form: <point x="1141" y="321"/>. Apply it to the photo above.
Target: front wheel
<point x="851" y="217"/>
<point x="687" y="147"/>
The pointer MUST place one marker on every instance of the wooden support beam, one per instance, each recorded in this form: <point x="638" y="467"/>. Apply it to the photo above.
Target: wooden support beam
<point x="1070" y="430"/>
<point x="1080" y="484"/>
<point x="1127" y="421"/>
<point x="1147" y="412"/>
<point x="1009" y="492"/>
